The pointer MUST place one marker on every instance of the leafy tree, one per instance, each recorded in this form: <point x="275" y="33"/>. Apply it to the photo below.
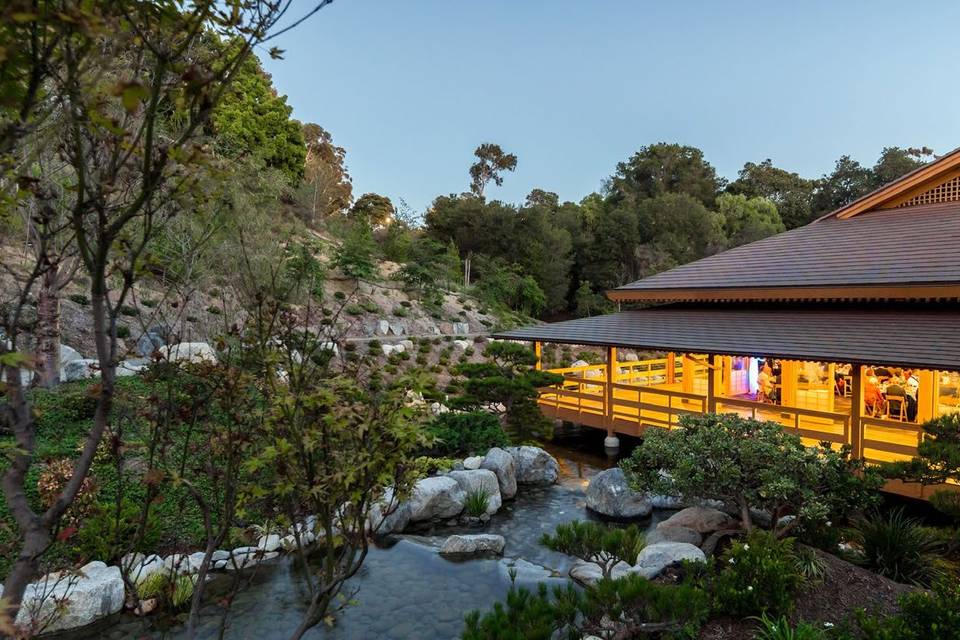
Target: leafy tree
<point x="131" y="85"/>
<point x="848" y="181"/>
<point x="502" y="285"/>
<point x="894" y="162"/>
<point x="253" y="121"/>
<point x="663" y="168"/>
<point x="430" y="265"/>
<point x="355" y="257"/>
<point x="586" y="302"/>
<point x="792" y="195"/>
<point x="746" y="220"/>
<point x="937" y="462"/>
<point x="508" y="384"/>
<point x="612" y="258"/>
<point x="325" y="173"/>
<point x="753" y="465"/>
<point x="680" y="228"/>
<point x="373" y="209"/>
<point x="491" y="162"/>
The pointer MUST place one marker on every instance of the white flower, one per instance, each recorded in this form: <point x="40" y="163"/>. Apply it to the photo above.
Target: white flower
<point x="828" y="625"/>
<point x="746" y="547"/>
<point x="750" y="588"/>
<point x="829" y="524"/>
<point x="732" y="561"/>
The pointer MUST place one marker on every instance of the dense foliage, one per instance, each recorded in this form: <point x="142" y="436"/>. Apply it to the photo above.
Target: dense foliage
<point x="465" y="434"/>
<point x="751" y="464"/>
<point x="757" y="576"/>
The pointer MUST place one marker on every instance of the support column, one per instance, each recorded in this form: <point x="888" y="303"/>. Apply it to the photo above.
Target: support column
<point x="856" y="411"/>
<point x="789" y="369"/>
<point x="538" y="351"/>
<point x="688" y="373"/>
<point x="927" y="395"/>
<point x="712" y="372"/>
<point x="671" y="367"/>
<point x="611" y="441"/>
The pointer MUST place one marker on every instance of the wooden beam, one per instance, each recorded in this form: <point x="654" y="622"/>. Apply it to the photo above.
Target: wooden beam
<point x="671" y="367"/>
<point x="856" y="411"/>
<point x="927" y="395"/>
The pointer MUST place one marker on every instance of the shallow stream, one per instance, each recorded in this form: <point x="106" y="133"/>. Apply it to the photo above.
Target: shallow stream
<point x="407" y="590"/>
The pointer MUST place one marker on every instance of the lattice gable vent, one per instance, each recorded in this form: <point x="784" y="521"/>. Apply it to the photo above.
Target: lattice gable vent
<point x="948" y="191"/>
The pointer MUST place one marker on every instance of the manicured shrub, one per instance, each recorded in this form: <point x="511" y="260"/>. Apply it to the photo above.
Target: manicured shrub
<point x="150" y="303"/>
<point x="757" y="576"/>
<point x="214" y="310"/>
<point x="464" y="434"/>
<point x="123" y="331"/>
<point x="127" y="310"/>
<point x="597" y="542"/>
<point x="339" y="295"/>
<point x="899" y="547"/>
<point x="79" y="298"/>
<point x="353" y="310"/>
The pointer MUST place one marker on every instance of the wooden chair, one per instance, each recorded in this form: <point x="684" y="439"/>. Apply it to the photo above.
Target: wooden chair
<point x="895" y="407"/>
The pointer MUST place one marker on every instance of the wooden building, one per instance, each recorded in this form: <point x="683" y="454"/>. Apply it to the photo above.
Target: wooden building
<point x="858" y="313"/>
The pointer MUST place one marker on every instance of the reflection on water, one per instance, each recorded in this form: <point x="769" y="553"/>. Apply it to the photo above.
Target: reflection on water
<point x="408" y="590"/>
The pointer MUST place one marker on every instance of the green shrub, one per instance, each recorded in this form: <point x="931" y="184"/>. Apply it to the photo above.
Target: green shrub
<point x="632" y="601"/>
<point x="899" y="547"/>
<point x="406" y="303"/>
<point x="477" y="503"/>
<point x="193" y="319"/>
<point x="370" y="306"/>
<point x="110" y="534"/>
<point x="464" y="434"/>
<point x="127" y="310"/>
<point x="401" y="312"/>
<point x="424" y="466"/>
<point x="757" y="576"/>
<point x="781" y="629"/>
<point x="923" y="616"/>
<point x="597" y="542"/>
<point x="79" y="298"/>
<point x="339" y="295"/>
<point x="353" y="310"/>
<point x="350" y="346"/>
<point x="150" y="303"/>
<point x="214" y="310"/>
<point x="123" y="331"/>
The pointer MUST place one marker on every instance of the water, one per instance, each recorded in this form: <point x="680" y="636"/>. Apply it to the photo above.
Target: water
<point x="407" y="590"/>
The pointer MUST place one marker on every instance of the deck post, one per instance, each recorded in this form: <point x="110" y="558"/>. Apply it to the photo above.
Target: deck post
<point x="538" y="351"/>
<point x="712" y="372"/>
<point x="927" y="395"/>
<point x="856" y="411"/>
<point x="611" y="441"/>
<point x="671" y="367"/>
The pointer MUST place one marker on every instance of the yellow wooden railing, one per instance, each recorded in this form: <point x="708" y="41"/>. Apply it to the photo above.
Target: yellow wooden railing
<point x="811" y="425"/>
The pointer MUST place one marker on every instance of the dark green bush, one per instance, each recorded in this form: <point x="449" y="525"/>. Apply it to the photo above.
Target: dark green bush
<point x="463" y="434"/>
<point x="123" y="331"/>
<point x="79" y="298"/>
<point x="127" y="310"/>
<point x="899" y="547"/>
<point x="923" y="616"/>
<point x="147" y="302"/>
<point x="110" y="533"/>
<point x="214" y="311"/>
<point x="757" y="576"/>
<point x="339" y="295"/>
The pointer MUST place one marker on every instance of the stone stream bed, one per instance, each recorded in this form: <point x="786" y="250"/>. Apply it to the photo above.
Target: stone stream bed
<point x="405" y="589"/>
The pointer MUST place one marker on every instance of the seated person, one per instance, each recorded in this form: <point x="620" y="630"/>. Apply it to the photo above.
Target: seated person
<point x="895" y="394"/>
<point x="765" y="383"/>
<point x="872" y="397"/>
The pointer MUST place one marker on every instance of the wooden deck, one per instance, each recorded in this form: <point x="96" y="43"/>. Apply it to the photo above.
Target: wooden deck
<point x="641" y="398"/>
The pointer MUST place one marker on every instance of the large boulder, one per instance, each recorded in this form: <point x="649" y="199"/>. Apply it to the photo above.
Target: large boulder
<point x="655" y="558"/>
<point x="82" y="369"/>
<point x="151" y="340"/>
<point x="700" y="519"/>
<point x="502" y="464"/>
<point x="588" y="573"/>
<point x="188" y="352"/>
<point x="438" y="497"/>
<point x="388" y="516"/>
<point x="610" y="495"/>
<point x="534" y="465"/>
<point x="674" y="534"/>
<point x="473" y="462"/>
<point x="68" y="354"/>
<point x="461" y="545"/>
<point x="480" y="480"/>
<point x="67" y="600"/>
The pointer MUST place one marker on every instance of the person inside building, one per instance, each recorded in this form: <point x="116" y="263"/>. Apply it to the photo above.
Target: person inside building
<point x="872" y="396"/>
<point x="912" y="387"/>
<point x="766" y="383"/>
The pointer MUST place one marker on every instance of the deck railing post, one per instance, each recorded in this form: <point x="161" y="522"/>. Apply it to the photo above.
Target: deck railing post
<point x="611" y="378"/>
<point x="856" y="412"/>
<point x="671" y="367"/>
<point x="538" y="351"/>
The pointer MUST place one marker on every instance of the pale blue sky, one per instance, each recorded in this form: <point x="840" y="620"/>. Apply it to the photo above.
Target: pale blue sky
<point x="410" y="88"/>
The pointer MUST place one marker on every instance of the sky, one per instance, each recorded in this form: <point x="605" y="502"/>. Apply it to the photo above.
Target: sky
<point x="410" y="87"/>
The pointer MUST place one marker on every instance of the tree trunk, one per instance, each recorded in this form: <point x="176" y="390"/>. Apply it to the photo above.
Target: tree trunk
<point x="466" y="270"/>
<point x="48" y="330"/>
